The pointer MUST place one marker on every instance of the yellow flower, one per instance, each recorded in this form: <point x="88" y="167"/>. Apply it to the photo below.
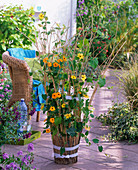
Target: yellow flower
<point x="86" y="96"/>
<point x="64" y="58"/>
<point x="63" y="105"/>
<point x="73" y="77"/>
<point x="45" y="120"/>
<point x="49" y="64"/>
<point x="52" y="120"/>
<point x="55" y="64"/>
<point x="67" y="116"/>
<point x="32" y="7"/>
<point x="41" y="16"/>
<point x="59" y="60"/>
<point x="47" y="130"/>
<point x="87" y="128"/>
<point x="83" y="77"/>
<point x="52" y="108"/>
<point x="45" y="60"/>
<point x="42" y="107"/>
<point x="80" y="56"/>
<point x="58" y="95"/>
<point x="54" y="95"/>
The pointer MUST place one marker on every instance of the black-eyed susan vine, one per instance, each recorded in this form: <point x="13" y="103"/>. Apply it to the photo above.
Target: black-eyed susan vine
<point x="64" y="71"/>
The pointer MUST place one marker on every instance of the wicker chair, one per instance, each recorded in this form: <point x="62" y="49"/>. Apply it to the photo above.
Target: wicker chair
<point x="21" y="80"/>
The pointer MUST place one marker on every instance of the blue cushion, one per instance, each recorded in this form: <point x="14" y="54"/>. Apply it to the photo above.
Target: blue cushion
<point x="17" y="53"/>
<point x="29" y="53"/>
<point x="38" y="92"/>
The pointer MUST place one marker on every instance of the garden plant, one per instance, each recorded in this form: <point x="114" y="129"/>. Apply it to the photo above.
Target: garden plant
<point x="122" y="118"/>
<point x="64" y="63"/>
<point x="18" y="162"/>
<point x="70" y="68"/>
<point x="117" y="19"/>
<point x="13" y="19"/>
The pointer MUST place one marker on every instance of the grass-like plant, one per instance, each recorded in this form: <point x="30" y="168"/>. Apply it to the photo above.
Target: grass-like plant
<point x="129" y="83"/>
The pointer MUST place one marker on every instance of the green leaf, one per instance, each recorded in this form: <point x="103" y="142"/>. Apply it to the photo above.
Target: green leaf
<point x="92" y="115"/>
<point x="37" y="53"/>
<point x="101" y="82"/>
<point x="28" y="80"/>
<point x="44" y="131"/>
<point x="79" y="126"/>
<point x="3" y="47"/>
<point x="87" y="140"/>
<point x="81" y="83"/>
<point x="93" y="63"/>
<point x="99" y="32"/>
<point x="100" y="148"/>
<point x="71" y="131"/>
<point x="30" y="73"/>
<point x="54" y="132"/>
<point x="84" y="42"/>
<point x="89" y="79"/>
<point x="70" y="64"/>
<point x="41" y="62"/>
<point x="110" y="87"/>
<point x="82" y="135"/>
<point x="74" y="64"/>
<point x="58" y="120"/>
<point x="44" y="96"/>
<point x="86" y="133"/>
<point x="95" y="140"/>
<point x="65" y="75"/>
<point x="62" y="150"/>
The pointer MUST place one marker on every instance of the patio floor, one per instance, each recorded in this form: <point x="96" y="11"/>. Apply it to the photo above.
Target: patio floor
<point x="120" y="155"/>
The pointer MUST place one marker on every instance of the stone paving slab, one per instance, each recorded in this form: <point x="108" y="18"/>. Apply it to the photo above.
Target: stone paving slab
<point x="119" y="155"/>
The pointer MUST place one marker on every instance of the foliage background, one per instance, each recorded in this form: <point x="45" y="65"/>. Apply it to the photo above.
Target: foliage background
<point x="13" y="19"/>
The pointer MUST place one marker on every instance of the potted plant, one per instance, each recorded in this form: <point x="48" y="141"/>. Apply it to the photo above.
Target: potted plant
<point x="64" y="65"/>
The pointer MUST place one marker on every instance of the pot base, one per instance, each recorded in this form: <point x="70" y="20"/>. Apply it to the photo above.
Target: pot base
<point x="66" y="161"/>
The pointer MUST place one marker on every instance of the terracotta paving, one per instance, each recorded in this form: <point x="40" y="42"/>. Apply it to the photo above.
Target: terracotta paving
<point x="120" y="155"/>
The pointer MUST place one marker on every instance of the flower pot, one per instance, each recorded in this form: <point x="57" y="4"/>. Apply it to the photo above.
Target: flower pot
<point x="71" y="149"/>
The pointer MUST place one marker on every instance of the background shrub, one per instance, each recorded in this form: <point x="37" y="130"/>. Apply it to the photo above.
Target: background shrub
<point x="115" y="20"/>
<point x="122" y="122"/>
<point x="12" y="20"/>
<point x="129" y="83"/>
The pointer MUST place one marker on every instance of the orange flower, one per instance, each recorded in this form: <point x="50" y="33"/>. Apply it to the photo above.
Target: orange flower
<point x="64" y="58"/>
<point x="59" y="60"/>
<point x="58" y="94"/>
<point x="49" y="64"/>
<point x="54" y="95"/>
<point x="52" y="108"/>
<point x="42" y="107"/>
<point x="45" y="60"/>
<point x="55" y="64"/>
<point x="47" y="130"/>
<point x="45" y="120"/>
<point x="79" y="92"/>
<point x="87" y="128"/>
<point x="52" y="120"/>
